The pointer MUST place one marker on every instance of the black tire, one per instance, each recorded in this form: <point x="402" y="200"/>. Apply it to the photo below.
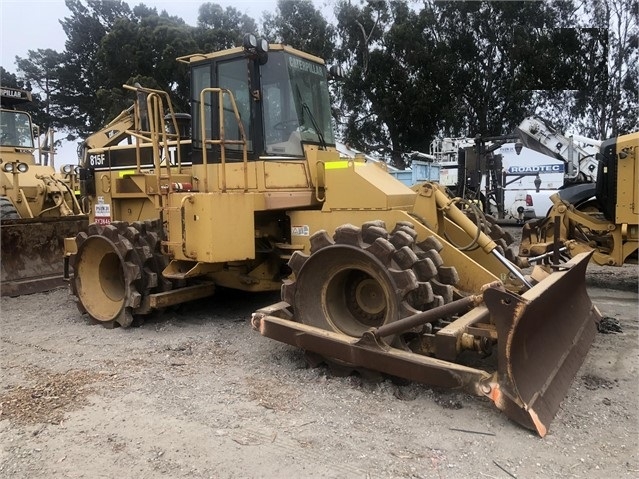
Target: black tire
<point x="7" y="210"/>
<point x="367" y="277"/>
<point x="591" y="207"/>
<point x="115" y="268"/>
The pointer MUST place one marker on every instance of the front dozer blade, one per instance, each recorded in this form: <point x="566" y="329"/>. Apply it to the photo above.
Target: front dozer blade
<point x="33" y="252"/>
<point x="544" y="337"/>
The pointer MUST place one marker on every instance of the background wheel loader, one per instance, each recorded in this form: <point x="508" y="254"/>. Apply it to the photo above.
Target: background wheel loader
<point x="611" y="232"/>
<point x="38" y="206"/>
<point x="372" y="274"/>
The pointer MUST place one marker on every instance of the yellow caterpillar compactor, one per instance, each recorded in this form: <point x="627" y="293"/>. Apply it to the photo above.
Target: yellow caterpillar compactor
<point x="38" y="206"/>
<point x="373" y="274"/>
<point x="611" y="231"/>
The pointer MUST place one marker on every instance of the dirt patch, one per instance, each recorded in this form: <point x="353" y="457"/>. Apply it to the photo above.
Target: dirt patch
<point x="621" y="278"/>
<point x="49" y="396"/>
<point x="593" y="382"/>
<point x="276" y="398"/>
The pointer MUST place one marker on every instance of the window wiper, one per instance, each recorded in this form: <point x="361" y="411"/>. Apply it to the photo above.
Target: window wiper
<point x="305" y="107"/>
<point x="320" y="135"/>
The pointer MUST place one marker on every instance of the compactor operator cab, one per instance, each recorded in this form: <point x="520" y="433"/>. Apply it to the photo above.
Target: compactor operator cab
<point x="17" y="143"/>
<point x="281" y="96"/>
<point x="16" y="130"/>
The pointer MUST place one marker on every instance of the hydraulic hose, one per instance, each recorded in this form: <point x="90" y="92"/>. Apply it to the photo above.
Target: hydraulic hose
<point x="471" y="229"/>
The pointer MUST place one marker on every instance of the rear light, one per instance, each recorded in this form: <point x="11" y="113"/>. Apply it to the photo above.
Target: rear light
<point x="529" y="201"/>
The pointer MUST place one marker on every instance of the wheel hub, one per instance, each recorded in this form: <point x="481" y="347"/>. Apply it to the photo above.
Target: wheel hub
<point x="112" y="277"/>
<point x="101" y="289"/>
<point x="366" y="298"/>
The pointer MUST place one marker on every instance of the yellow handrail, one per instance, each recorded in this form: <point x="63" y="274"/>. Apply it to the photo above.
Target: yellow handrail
<point x="222" y="141"/>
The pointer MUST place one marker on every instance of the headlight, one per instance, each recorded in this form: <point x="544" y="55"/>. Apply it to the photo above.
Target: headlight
<point x="249" y="42"/>
<point x="23" y="167"/>
<point x="66" y="169"/>
<point x="263" y="46"/>
<point x="8" y="167"/>
<point x="336" y="72"/>
<point x="254" y="46"/>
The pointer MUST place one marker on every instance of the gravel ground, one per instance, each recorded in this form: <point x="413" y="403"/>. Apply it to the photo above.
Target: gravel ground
<point x="195" y="393"/>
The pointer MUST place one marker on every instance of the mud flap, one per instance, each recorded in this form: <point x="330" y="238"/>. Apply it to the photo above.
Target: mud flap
<point x="33" y="252"/>
<point x="544" y="336"/>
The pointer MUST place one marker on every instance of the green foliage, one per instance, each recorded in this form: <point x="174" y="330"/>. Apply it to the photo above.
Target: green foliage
<point x="220" y="28"/>
<point x="40" y="71"/>
<point x="299" y="24"/>
<point x="609" y="103"/>
<point x="109" y="45"/>
<point x="144" y="47"/>
<point x="485" y="62"/>
<point x="362" y="106"/>
<point x="448" y="68"/>
<point x="213" y="17"/>
<point x="82" y="74"/>
<point x="416" y="70"/>
<point x="10" y="80"/>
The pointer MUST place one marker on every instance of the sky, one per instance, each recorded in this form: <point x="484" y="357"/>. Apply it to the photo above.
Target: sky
<point x="35" y="24"/>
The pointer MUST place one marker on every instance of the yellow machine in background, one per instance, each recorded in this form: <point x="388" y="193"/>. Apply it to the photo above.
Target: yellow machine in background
<point x="372" y="274"/>
<point x="38" y="206"/>
<point x="612" y="233"/>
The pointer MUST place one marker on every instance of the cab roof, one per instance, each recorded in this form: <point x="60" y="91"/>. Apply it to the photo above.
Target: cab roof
<point x="10" y="97"/>
<point x="198" y="57"/>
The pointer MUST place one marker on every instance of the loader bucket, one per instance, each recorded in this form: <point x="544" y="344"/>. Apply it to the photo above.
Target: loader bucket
<point x="544" y="336"/>
<point x="33" y="252"/>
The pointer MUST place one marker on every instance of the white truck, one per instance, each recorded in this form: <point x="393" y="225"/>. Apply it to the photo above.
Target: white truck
<point x="576" y="152"/>
<point x="514" y="176"/>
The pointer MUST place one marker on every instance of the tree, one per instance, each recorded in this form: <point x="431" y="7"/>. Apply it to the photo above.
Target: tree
<point x="299" y="24"/>
<point x="152" y="43"/>
<point x="213" y="17"/>
<point x="220" y="28"/>
<point x="82" y="75"/>
<point x="452" y="68"/>
<point x="361" y="31"/>
<point x="398" y="81"/>
<point x="609" y="105"/>
<point x="41" y="72"/>
<point x="109" y="45"/>
<point x="10" y="80"/>
<point x="507" y="52"/>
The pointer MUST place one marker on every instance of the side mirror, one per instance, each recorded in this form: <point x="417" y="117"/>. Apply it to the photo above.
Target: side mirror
<point x="537" y="183"/>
